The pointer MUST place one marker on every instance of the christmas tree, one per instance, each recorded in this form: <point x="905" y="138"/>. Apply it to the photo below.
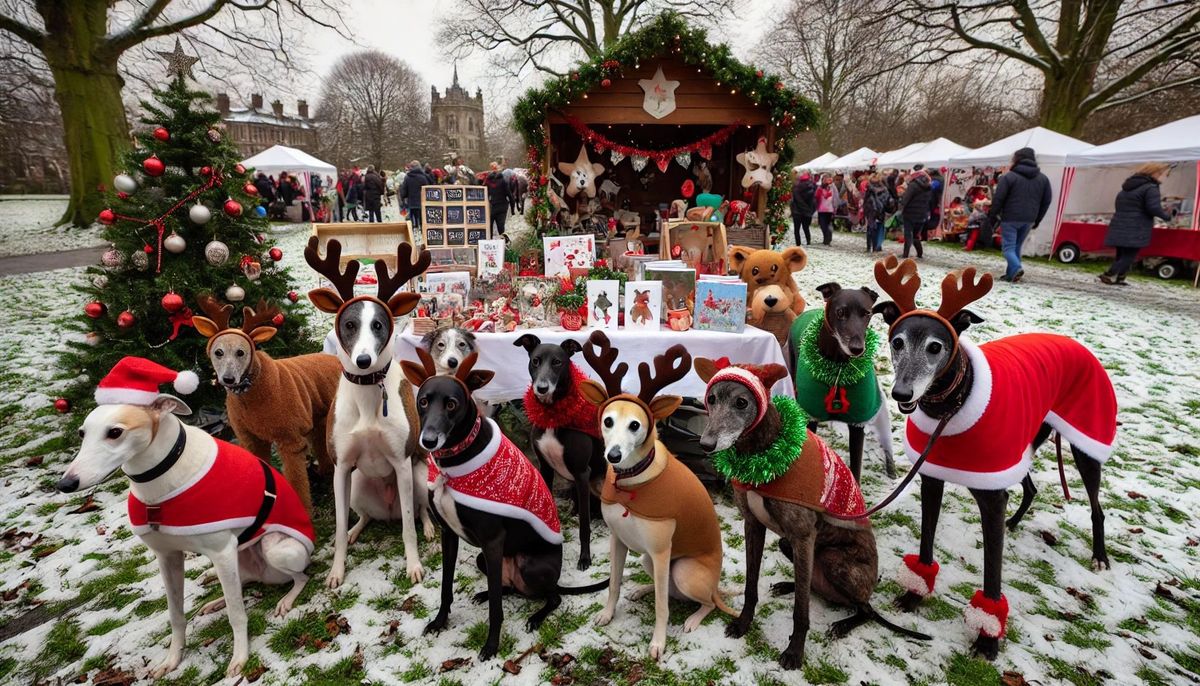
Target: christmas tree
<point x="183" y="220"/>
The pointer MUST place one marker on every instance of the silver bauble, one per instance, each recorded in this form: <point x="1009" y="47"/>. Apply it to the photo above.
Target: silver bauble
<point x="140" y="260"/>
<point x="199" y="214"/>
<point x="174" y="243"/>
<point x="112" y="258"/>
<point x="100" y="281"/>
<point x="235" y="293"/>
<point x="125" y="183"/>
<point x="216" y="253"/>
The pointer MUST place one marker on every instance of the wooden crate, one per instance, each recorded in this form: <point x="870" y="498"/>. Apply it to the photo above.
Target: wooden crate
<point x="716" y="242"/>
<point x="362" y="241"/>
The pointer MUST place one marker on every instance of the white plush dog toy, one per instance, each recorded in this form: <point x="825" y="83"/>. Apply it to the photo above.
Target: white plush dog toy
<point x="582" y="173"/>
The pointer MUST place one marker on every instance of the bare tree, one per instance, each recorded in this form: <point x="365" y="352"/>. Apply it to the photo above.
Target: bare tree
<point x="546" y="35"/>
<point x="83" y="42"/>
<point x="32" y="158"/>
<point x="374" y="106"/>
<point x="1092" y="54"/>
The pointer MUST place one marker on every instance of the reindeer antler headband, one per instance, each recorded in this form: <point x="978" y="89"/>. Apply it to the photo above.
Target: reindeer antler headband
<point x="669" y="367"/>
<point x="253" y="319"/>
<point x="334" y="300"/>
<point x="960" y="288"/>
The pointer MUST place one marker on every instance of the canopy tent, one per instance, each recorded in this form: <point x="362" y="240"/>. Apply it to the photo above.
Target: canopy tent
<point x="888" y="158"/>
<point x="1178" y="141"/>
<point x="280" y="158"/>
<point x="935" y="153"/>
<point x="817" y="163"/>
<point x="859" y="159"/>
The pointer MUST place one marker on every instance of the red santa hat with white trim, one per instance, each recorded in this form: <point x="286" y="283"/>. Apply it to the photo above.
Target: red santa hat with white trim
<point x="749" y="375"/>
<point x="135" y="381"/>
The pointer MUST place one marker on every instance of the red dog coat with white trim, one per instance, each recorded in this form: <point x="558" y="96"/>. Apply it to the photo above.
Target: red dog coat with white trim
<point x="1020" y="382"/>
<point x="501" y="481"/>
<point x="226" y="496"/>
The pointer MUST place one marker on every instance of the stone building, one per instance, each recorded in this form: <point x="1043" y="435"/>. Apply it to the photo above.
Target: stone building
<point x="457" y="122"/>
<point x="255" y="128"/>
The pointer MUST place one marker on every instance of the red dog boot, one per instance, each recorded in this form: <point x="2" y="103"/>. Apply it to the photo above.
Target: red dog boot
<point x="986" y="616"/>
<point x="916" y="577"/>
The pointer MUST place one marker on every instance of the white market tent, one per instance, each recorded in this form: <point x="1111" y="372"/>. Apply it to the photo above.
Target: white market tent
<point x="886" y="159"/>
<point x="859" y="159"/>
<point x="936" y="153"/>
<point x="1052" y="149"/>
<point x="1178" y="141"/>
<point x="817" y="163"/>
<point x="280" y="158"/>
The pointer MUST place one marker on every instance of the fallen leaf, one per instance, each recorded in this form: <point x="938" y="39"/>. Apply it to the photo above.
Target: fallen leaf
<point x="87" y="506"/>
<point x="562" y="680"/>
<point x="512" y="667"/>
<point x="255" y="674"/>
<point x="208" y="641"/>
<point x="113" y="677"/>
<point x="1049" y="537"/>
<point x="1145" y="652"/>
<point x="12" y="593"/>
<point x="1161" y="590"/>
<point x="1134" y="495"/>
<point x="47" y="551"/>
<point x="392" y="627"/>
<point x="35" y="460"/>
<point x="1193" y="542"/>
<point x="1136" y="530"/>
<point x="456" y="662"/>
<point x="1011" y="678"/>
<point x="408" y="604"/>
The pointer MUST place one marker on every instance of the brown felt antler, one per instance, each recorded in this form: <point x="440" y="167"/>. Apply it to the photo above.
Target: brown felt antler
<point x="899" y="280"/>
<point x="405" y="270"/>
<point x="218" y="313"/>
<point x="254" y="317"/>
<point x="961" y="288"/>
<point x="669" y="367"/>
<point x="330" y="266"/>
<point x="602" y="362"/>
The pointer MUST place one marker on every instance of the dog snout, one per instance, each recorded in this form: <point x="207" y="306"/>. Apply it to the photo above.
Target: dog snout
<point x="68" y="484"/>
<point x="542" y="388"/>
<point x="708" y="443"/>
<point x="430" y="440"/>
<point x="363" y="361"/>
<point x="901" y="395"/>
<point x="452" y="363"/>
<point x="856" y="349"/>
<point x="228" y="379"/>
<point x="614" y="455"/>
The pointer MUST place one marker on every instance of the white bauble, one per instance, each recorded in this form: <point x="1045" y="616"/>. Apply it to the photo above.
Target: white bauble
<point x="199" y="214"/>
<point x="174" y="243"/>
<point x="92" y="338"/>
<point x="216" y="253"/>
<point x="235" y="293"/>
<point x="100" y="281"/>
<point x="125" y="183"/>
<point x="140" y="260"/>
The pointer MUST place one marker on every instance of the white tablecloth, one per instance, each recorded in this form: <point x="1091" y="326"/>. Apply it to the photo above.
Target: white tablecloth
<point x="511" y="363"/>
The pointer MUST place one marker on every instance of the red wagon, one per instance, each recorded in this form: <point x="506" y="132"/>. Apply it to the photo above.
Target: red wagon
<point x="1169" y="253"/>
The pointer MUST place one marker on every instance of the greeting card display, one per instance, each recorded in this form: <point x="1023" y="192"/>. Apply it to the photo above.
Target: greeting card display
<point x="534" y="296"/>
<point x="455" y="215"/>
<point x="564" y="253"/>
<point x="491" y="257"/>
<point x="721" y="306"/>
<point x="643" y="304"/>
<point x="602" y="299"/>
<point x="458" y="283"/>
<point x="679" y="292"/>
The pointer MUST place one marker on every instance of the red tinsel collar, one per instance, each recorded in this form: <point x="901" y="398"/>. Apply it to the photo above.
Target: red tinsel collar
<point x="573" y="411"/>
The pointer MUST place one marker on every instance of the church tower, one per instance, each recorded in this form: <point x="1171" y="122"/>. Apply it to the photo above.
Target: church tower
<point x="457" y="122"/>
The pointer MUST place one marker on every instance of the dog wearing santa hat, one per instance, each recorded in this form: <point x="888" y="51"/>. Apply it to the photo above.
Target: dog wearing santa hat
<point x="190" y="492"/>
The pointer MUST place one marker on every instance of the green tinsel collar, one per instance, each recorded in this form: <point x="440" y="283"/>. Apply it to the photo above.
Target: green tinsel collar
<point x="764" y="467"/>
<point x="832" y="373"/>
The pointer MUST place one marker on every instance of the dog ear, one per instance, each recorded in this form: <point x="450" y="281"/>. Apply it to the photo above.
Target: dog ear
<point x="870" y="293"/>
<point x="664" y="405"/>
<point x="828" y="290"/>
<point x="414" y="372"/>
<point x="963" y="320"/>
<point x="207" y="327"/>
<point x="795" y="258"/>
<point x="325" y="300"/>
<point x="593" y="392"/>
<point x="478" y="378"/>
<point x="771" y="373"/>
<point x="889" y="310"/>
<point x="738" y="255"/>
<point x="402" y="303"/>
<point x="571" y="347"/>
<point x="165" y="402"/>
<point x="263" y="334"/>
<point x="528" y="341"/>
<point x="705" y="368"/>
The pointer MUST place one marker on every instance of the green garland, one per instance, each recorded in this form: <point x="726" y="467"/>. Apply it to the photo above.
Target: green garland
<point x="766" y="466"/>
<point x="828" y="372"/>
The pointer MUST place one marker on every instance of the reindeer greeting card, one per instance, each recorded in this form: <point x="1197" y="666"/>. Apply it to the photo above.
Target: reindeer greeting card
<point x="602" y="299"/>
<point x="564" y="253"/>
<point x="643" y="304"/>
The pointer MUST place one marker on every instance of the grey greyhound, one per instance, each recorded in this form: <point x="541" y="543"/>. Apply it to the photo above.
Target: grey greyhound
<point x="977" y="414"/>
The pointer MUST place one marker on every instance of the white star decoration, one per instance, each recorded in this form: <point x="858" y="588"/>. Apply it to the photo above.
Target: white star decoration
<point x="758" y="163"/>
<point x="660" y="95"/>
<point x="178" y="62"/>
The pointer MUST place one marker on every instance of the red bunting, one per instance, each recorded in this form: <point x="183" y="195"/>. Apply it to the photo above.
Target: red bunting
<point x="703" y="146"/>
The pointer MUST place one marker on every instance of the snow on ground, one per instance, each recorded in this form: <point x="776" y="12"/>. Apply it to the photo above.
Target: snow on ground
<point x="29" y="226"/>
<point x="1068" y="623"/>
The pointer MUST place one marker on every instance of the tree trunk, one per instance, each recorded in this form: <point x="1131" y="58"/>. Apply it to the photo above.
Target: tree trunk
<point x="88" y="89"/>
<point x="1062" y="98"/>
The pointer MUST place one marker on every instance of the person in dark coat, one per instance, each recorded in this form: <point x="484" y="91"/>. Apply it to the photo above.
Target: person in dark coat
<point x="497" y="187"/>
<point x="1020" y="202"/>
<point x="1137" y="204"/>
<point x="804" y="206"/>
<point x="414" y="180"/>
<point x="875" y="202"/>
<point x="373" y="189"/>
<point x="937" y="186"/>
<point x="914" y="208"/>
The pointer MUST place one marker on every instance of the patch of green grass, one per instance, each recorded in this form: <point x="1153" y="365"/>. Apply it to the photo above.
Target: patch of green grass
<point x="287" y="640"/>
<point x="1083" y="633"/>
<point x="1044" y="572"/>
<point x="345" y="671"/>
<point x="1026" y="587"/>
<point x="1063" y="670"/>
<point x="477" y="636"/>
<point x="1149" y="677"/>
<point x="150" y="607"/>
<point x="1189" y="660"/>
<point x="964" y="670"/>
<point x="824" y="673"/>
<point x="62" y="646"/>
<point x="965" y="590"/>
<point x="416" y="671"/>
<point x="8" y="666"/>
<point x="94" y="662"/>
<point x="758" y="646"/>
<point x="104" y="626"/>
<point x="563" y="622"/>
<point x="937" y="609"/>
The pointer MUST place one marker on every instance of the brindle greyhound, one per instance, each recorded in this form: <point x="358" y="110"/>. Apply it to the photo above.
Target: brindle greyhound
<point x="977" y="415"/>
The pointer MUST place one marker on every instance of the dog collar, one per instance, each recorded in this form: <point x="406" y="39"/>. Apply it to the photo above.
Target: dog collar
<point x="367" y="379"/>
<point x="167" y="462"/>
<point x="244" y="383"/>
<point x="461" y="445"/>
<point x="637" y="468"/>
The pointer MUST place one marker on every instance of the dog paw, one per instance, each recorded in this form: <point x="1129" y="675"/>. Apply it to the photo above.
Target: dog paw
<point x="416" y="572"/>
<point x="335" y="579"/>
<point x="986" y="647"/>
<point x="737" y="628"/>
<point x="641" y="592"/>
<point x="604" y="617"/>
<point x="166" y="666"/>
<point x="235" y="667"/>
<point x="480" y="598"/>
<point x="890" y="469"/>
<point x="782" y="588"/>
<point x="352" y="537"/>
<point x="212" y="606"/>
<point x="908" y="601"/>
<point x="439" y="622"/>
<point x="658" y="648"/>
<point x="283" y="607"/>
<point x="1100" y="564"/>
<point x="429" y="531"/>
<point x="839" y="629"/>
<point x="791" y="659"/>
<point x="488" y="651"/>
<point x="585" y="561"/>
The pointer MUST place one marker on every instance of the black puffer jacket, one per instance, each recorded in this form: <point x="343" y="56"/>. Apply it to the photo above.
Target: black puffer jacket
<point x="1022" y="195"/>
<point x="804" y="203"/>
<point x="414" y="180"/>
<point x="1137" y="204"/>
<point x="914" y="206"/>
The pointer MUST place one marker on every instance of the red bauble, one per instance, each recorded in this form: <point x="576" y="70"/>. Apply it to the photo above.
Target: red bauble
<point x="148" y="248"/>
<point x="95" y="309"/>
<point x="688" y="189"/>
<point x="62" y="404"/>
<point x="172" y="302"/>
<point x="293" y="296"/>
<point x="759" y="73"/>
<point x="275" y="254"/>
<point x="125" y="319"/>
<point x="277" y="320"/>
<point x="122" y="195"/>
<point x="233" y="208"/>
<point x="239" y="168"/>
<point x="250" y="189"/>
<point x="606" y="82"/>
<point x="107" y="217"/>
<point x="154" y="166"/>
<point x="205" y="171"/>
<point x="779" y="86"/>
<point x="162" y="134"/>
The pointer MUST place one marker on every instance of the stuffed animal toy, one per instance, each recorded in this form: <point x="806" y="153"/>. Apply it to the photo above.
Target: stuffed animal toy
<point x="758" y="163"/>
<point x="679" y="209"/>
<point x="582" y="174"/>
<point x="739" y="211"/>
<point x="771" y="310"/>
<point x="703" y="177"/>
<point x="764" y="267"/>
<point x="694" y="248"/>
<point x="699" y="214"/>
<point x="633" y="241"/>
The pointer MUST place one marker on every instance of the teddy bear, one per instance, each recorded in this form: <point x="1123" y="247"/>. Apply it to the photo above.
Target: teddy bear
<point x="759" y="268"/>
<point x="771" y="310"/>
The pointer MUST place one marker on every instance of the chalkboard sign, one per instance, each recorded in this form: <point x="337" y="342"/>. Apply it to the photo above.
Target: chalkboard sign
<point x="449" y="210"/>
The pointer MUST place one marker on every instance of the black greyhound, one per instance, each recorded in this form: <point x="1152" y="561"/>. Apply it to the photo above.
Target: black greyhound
<point x="565" y="434"/>
<point x="519" y="552"/>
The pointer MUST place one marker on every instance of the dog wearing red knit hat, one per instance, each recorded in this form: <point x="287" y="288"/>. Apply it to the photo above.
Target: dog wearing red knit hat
<point x="976" y="416"/>
<point x="788" y="480"/>
<point x="190" y="492"/>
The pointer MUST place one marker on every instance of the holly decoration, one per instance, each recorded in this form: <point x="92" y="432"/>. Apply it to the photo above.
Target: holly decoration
<point x="293" y="296"/>
<point x="62" y="405"/>
<point x="153" y="166"/>
<point x="162" y="134"/>
<point x="206" y="171"/>
<point x="172" y="302"/>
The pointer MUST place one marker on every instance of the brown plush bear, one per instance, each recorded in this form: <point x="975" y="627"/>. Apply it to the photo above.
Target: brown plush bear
<point x="771" y="310"/>
<point x="760" y="268"/>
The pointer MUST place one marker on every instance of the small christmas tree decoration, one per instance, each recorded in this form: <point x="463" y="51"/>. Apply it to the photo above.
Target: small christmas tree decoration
<point x="162" y="134"/>
<point x="206" y="171"/>
<point x="92" y="338"/>
<point x="62" y="405"/>
<point x="123" y="195"/>
<point x="239" y="169"/>
<point x="125" y="183"/>
<point x="216" y="253"/>
<point x="154" y="166"/>
<point x="140" y="260"/>
<point x="277" y="320"/>
<point x="174" y="243"/>
<point x="199" y="214"/>
<point x="275" y="254"/>
<point x="233" y="208"/>
<point x="605" y="83"/>
<point x="126" y="319"/>
<point x="293" y="296"/>
<point x="107" y="217"/>
<point x="112" y="258"/>
<point x="95" y="309"/>
<point x="171" y="302"/>
<point x="252" y="269"/>
<point x="250" y="189"/>
<point x="100" y="281"/>
<point x="214" y="135"/>
<point x="235" y="294"/>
